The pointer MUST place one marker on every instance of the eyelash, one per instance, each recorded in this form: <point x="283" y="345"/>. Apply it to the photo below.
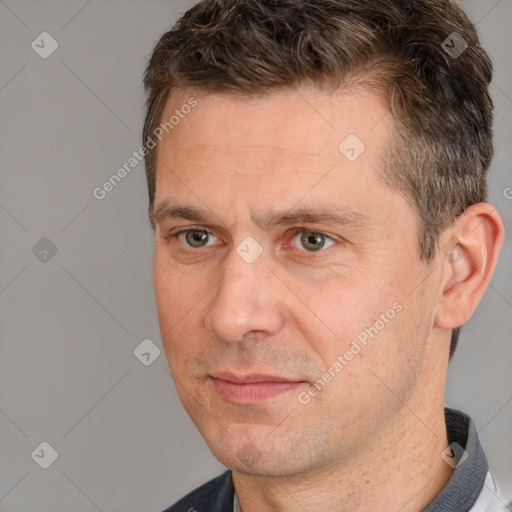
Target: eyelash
<point x="294" y="232"/>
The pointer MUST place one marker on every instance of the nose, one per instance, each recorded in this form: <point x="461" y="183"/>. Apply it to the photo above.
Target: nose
<point x="246" y="301"/>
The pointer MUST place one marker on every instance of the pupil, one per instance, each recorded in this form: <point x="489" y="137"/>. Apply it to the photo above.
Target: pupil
<point x="313" y="239"/>
<point x="196" y="236"/>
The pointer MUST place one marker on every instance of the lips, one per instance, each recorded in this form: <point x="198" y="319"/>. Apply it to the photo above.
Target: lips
<point x="252" y="388"/>
<point x="252" y="378"/>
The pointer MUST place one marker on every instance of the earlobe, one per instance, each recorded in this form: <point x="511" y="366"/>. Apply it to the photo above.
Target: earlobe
<point x="468" y="258"/>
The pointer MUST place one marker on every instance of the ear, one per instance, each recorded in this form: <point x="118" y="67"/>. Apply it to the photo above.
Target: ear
<point x="468" y="256"/>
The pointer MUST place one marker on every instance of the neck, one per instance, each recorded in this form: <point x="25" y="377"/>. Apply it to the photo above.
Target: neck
<point x="400" y="468"/>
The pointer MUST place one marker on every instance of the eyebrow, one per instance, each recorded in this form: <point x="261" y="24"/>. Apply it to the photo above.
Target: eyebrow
<point x="340" y="216"/>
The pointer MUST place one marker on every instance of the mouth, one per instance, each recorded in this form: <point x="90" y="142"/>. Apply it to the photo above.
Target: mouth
<point x="253" y="388"/>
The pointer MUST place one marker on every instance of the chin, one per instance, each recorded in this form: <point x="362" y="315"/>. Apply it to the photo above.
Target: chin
<point x="248" y="459"/>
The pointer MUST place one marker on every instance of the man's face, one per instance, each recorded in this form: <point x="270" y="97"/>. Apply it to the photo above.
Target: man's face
<point x="252" y="312"/>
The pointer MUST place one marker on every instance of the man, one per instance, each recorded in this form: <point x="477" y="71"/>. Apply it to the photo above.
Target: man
<point x="318" y="193"/>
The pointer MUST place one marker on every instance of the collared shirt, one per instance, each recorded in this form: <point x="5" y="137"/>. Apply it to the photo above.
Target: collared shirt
<point x="471" y="486"/>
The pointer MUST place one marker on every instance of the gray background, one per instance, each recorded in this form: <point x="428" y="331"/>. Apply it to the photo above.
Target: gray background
<point x="69" y="325"/>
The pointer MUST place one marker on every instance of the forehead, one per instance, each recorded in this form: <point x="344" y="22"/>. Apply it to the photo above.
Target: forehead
<point x="287" y="123"/>
<point x="283" y="146"/>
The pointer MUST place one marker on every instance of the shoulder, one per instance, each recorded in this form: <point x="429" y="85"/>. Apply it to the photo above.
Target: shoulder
<point x="215" y="496"/>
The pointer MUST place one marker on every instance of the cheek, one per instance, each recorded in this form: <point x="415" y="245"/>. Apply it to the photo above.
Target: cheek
<point x="165" y="295"/>
<point x="182" y="304"/>
<point x="175" y="294"/>
<point x="368" y="321"/>
<point x="175" y="302"/>
<point x="336" y="314"/>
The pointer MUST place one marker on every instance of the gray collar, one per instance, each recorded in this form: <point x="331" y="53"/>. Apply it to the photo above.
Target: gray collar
<point x="467" y="480"/>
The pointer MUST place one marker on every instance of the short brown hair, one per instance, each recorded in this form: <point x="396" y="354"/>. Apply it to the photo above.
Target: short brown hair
<point x="440" y="101"/>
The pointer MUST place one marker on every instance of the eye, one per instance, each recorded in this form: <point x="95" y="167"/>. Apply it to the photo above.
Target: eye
<point x="313" y="241"/>
<point x="195" y="238"/>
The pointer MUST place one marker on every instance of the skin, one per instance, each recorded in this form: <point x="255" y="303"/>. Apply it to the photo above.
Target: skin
<point x="372" y="438"/>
